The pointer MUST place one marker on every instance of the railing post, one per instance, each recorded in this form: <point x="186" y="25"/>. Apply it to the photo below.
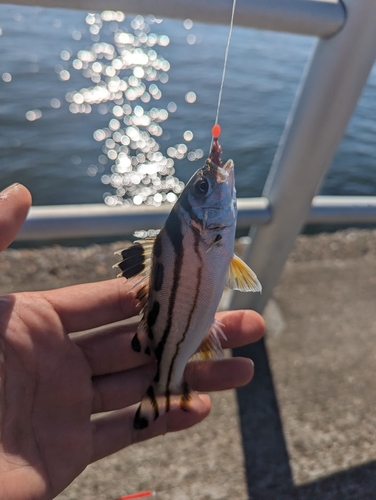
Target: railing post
<point x="323" y="106"/>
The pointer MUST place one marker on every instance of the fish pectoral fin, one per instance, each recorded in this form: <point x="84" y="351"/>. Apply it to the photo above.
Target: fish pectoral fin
<point x="241" y="277"/>
<point x="154" y="404"/>
<point x="211" y="347"/>
<point x="136" y="259"/>
<point x="217" y="241"/>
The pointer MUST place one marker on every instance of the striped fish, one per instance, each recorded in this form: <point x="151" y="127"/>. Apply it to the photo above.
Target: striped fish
<point x="180" y="275"/>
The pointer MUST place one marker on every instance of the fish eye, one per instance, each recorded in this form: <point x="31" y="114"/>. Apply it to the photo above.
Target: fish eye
<point x="201" y="187"/>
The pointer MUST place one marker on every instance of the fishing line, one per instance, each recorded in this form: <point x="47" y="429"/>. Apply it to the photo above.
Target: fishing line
<point x="225" y="61"/>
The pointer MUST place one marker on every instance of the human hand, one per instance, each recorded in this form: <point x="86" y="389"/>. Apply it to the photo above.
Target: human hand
<point x="67" y="398"/>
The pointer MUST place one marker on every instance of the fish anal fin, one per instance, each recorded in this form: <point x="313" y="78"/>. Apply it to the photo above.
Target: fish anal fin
<point x="241" y="277"/>
<point x="148" y="411"/>
<point x="141" y="340"/>
<point x="142" y="295"/>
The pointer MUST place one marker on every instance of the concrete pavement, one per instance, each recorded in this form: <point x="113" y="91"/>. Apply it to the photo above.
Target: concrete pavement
<point x="305" y="428"/>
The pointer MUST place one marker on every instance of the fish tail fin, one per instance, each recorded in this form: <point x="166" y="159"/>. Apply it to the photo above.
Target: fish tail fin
<point x="154" y="404"/>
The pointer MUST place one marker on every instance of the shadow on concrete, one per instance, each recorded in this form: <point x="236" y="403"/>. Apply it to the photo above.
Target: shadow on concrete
<point x="266" y="458"/>
<point x="265" y="452"/>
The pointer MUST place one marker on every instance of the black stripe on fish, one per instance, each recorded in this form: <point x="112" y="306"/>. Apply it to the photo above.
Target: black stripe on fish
<point x="152" y="318"/>
<point x="167" y="396"/>
<point x="133" y="261"/>
<point x="184" y="203"/>
<point x="158" y="277"/>
<point x="157" y="249"/>
<point x="136" y="344"/>
<point x="194" y="305"/>
<point x="185" y="397"/>
<point x="140" y="422"/>
<point x="174" y="232"/>
<point x="150" y="394"/>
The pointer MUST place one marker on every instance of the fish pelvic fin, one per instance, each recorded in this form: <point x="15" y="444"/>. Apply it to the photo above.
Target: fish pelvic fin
<point x="241" y="277"/>
<point x="211" y="347"/>
<point x="154" y="404"/>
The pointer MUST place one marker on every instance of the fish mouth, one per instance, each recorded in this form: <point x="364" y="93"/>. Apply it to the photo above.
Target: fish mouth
<point x="223" y="174"/>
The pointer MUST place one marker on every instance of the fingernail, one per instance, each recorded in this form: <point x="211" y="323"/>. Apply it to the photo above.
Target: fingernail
<point x="10" y="188"/>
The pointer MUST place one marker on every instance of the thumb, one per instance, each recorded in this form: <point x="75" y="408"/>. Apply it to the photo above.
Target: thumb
<point x="15" y="202"/>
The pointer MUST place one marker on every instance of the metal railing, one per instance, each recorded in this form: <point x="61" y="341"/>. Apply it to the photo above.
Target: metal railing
<point x="325" y="101"/>
<point x="308" y="17"/>
<point x="330" y="88"/>
<point x="93" y="220"/>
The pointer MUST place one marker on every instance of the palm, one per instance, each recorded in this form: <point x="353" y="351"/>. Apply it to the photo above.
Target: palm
<point x="48" y="400"/>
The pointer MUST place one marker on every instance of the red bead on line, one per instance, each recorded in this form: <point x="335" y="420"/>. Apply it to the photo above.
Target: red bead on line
<point x="216" y="131"/>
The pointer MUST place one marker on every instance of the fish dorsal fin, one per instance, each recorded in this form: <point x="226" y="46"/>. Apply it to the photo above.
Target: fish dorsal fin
<point x="141" y="340"/>
<point x="136" y="266"/>
<point x="211" y="347"/>
<point x="136" y="259"/>
<point x="241" y="277"/>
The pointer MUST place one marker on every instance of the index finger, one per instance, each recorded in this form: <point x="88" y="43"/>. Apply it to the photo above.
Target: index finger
<point x="82" y="307"/>
<point x="241" y="327"/>
<point x="15" y="202"/>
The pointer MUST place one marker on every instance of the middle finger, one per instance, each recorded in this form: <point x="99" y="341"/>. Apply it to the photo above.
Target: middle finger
<point x="109" y="349"/>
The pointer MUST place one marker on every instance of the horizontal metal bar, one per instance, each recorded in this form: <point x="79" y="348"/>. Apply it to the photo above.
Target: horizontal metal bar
<point x="308" y="17"/>
<point x="342" y="210"/>
<point x="87" y="221"/>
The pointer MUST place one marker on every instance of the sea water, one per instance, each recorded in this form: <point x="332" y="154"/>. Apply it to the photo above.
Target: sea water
<point x="118" y="109"/>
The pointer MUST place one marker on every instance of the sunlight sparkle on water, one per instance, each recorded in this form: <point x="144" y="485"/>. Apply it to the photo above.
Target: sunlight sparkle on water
<point x="188" y="135"/>
<point x="125" y="77"/>
<point x="191" y="39"/>
<point x="6" y="77"/>
<point x="33" y="114"/>
<point x="190" y="97"/>
<point x="188" y="24"/>
<point x="55" y="103"/>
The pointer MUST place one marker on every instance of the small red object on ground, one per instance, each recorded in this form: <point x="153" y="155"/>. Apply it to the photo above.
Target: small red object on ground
<point x="140" y="494"/>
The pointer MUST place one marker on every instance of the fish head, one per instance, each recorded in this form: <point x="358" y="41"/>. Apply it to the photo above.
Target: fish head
<point x="209" y="198"/>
